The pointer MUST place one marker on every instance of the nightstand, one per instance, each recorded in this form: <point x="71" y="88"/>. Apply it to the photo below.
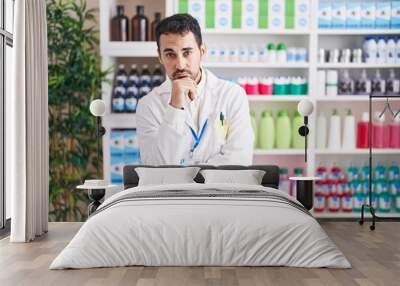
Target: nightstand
<point x="96" y="191"/>
<point x="304" y="190"/>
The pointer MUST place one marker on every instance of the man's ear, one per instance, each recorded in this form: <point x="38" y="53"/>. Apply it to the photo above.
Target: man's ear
<point x="203" y="50"/>
<point x="159" y="56"/>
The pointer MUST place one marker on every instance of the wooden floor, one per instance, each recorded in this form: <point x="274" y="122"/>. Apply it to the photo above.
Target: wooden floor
<point x="375" y="257"/>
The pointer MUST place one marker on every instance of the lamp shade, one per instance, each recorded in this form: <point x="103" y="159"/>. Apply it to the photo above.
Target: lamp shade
<point x="97" y="107"/>
<point x="305" y="107"/>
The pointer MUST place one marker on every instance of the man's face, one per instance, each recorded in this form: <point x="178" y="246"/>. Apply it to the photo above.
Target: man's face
<point x="180" y="55"/>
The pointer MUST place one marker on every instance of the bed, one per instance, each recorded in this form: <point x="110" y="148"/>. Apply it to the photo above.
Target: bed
<point x="198" y="224"/>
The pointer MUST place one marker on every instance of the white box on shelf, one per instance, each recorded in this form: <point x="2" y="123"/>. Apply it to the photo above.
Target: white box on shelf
<point x="338" y="15"/>
<point x="302" y="14"/>
<point x="249" y="14"/>
<point x="368" y="14"/>
<point x="325" y="15"/>
<point x="197" y="8"/>
<point x="117" y="142"/>
<point x="131" y="144"/>
<point x="117" y="168"/>
<point x="395" y="17"/>
<point x="223" y="14"/>
<point x="353" y="15"/>
<point x="382" y="14"/>
<point x="276" y="17"/>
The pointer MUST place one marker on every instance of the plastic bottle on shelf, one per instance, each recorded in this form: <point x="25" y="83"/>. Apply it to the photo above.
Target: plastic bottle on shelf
<point x="321" y="131"/>
<point x="254" y="127"/>
<point x="298" y="140"/>
<point x="332" y="83"/>
<point x="334" y="131"/>
<point x="271" y="53"/>
<point x="243" y="54"/>
<point x="363" y="131"/>
<point x="283" y="130"/>
<point x="121" y="78"/>
<point x="392" y="84"/>
<point x="134" y="76"/>
<point x="120" y="26"/>
<point x="363" y="84"/>
<point x="140" y="25"/>
<point x="398" y="50"/>
<point x="266" y="131"/>
<point x="384" y="202"/>
<point x="233" y="54"/>
<point x="265" y="86"/>
<point x="381" y="51"/>
<point x="131" y="99"/>
<point x="118" y="99"/>
<point x="281" y="54"/>
<point x="370" y="50"/>
<point x="145" y="77"/>
<point x="346" y="84"/>
<point x="380" y="134"/>
<point x="378" y="84"/>
<point x="157" y="77"/>
<point x="391" y="50"/>
<point x="252" y="86"/>
<point x="153" y="25"/>
<point x="349" y="138"/>
<point x="262" y="54"/>
<point x="253" y="54"/>
<point x="284" y="182"/>
<point x="394" y="131"/>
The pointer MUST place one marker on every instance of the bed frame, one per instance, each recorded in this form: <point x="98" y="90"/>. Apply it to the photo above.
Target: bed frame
<point x="270" y="179"/>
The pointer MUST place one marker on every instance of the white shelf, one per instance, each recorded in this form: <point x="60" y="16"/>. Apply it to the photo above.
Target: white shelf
<point x="358" y="31"/>
<point x="129" y="49"/>
<point x="348" y="98"/>
<point x="119" y="120"/>
<point x="276" y="98"/>
<point x="284" y="152"/>
<point x="256" y="65"/>
<point x="351" y="214"/>
<point x="254" y="32"/>
<point x="357" y="66"/>
<point x="375" y="151"/>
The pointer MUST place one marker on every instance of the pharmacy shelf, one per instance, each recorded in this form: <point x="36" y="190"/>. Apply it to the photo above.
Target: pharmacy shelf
<point x="280" y="32"/>
<point x="358" y="31"/>
<point x="357" y="66"/>
<point x="119" y="120"/>
<point x="256" y="65"/>
<point x="375" y="151"/>
<point x="284" y="152"/>
<point x="349" y="98"/>
<point x="351" y="214"/>
<point x="275" y="98"/>
<point x="129" y="49"/>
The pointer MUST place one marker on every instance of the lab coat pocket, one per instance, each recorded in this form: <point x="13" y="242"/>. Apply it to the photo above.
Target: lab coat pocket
<point x="221" y="131"/>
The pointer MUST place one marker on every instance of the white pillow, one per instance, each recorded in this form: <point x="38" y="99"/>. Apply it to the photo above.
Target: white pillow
<point x="248" y="177"/>
<point x="165" y="176"/>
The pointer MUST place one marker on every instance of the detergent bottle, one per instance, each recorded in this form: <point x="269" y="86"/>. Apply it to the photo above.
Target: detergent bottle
<point x="266" y="131"/>
<point x="283" y="130"/>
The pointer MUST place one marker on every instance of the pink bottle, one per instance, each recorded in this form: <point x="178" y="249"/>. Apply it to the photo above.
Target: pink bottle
<point x="252" y="86"/>
<point x="363" y="131"/>
<point x="380" y="132"/>
<point x="394" y="128"/>
<point x="265" y="86"/>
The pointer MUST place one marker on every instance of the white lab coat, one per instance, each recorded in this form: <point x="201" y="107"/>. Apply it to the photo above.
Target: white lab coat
<point x="164" y="132"/>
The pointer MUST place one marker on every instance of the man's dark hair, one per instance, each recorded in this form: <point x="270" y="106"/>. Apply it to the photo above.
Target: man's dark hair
<point x="179" y="24"/>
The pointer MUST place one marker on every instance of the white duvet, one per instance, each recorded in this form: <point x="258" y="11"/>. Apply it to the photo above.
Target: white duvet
<point x="200" y="231"/>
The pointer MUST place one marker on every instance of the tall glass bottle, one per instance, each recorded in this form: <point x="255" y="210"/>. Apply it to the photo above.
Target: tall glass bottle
<point x="119" y="25"/>
<point x="140" y="25"/>
<point x="153" y="25"/>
